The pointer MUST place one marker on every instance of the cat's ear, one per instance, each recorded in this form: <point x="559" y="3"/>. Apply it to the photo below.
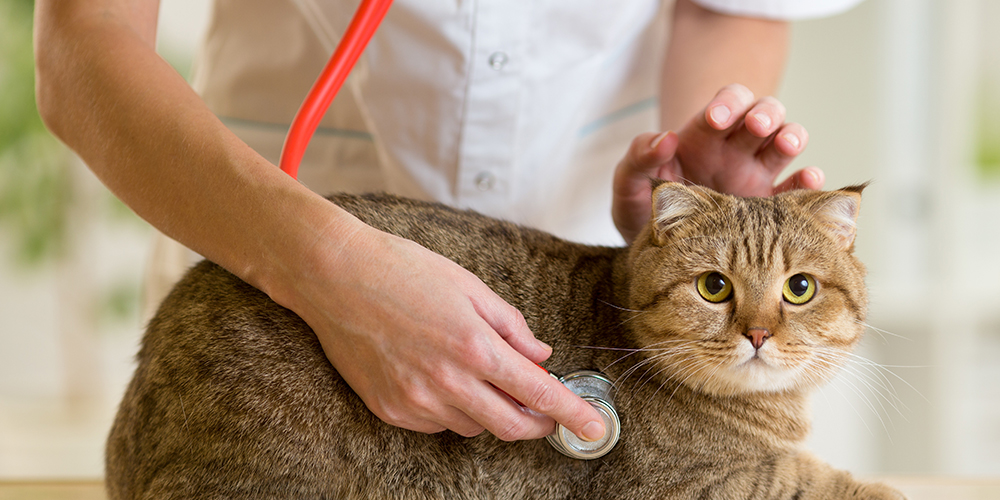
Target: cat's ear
<point x="672" y="203"/>
<point x="837" y="211"/>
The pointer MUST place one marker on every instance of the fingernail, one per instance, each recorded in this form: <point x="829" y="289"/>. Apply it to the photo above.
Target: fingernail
<point x="593" y="431"/>
<point x="545" y="346"/>
<point x="720" y="114"/>
<point x="658" y="139"/>
<point x="763" y="120"/>
<point x="815" y="176"/>
<point x="792" y="139"/>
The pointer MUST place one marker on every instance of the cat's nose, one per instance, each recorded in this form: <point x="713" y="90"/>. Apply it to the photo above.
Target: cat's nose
<point x="757" y="336"/>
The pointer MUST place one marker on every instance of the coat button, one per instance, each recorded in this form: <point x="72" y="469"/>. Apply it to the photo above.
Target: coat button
<point x="498" y="60"/>
<point x="485" y="181"/>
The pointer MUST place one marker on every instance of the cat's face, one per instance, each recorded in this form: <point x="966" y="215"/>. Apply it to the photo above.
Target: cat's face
<point x="748" y="295"/>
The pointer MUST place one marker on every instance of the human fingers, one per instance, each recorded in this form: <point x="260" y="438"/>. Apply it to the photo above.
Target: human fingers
<point x="646" y="154"/>
<point x="727" y="107"/>
<point x="505" y="369"/>
<point x="500" y="413"/>
<point x="787" y="143"/>
<point x="509" y="323"/>
<point x="539" y="391"/>
<point x="807" y="178"/>
<point x="792" y="139"/>
<point x="764" y="118"/>
<point x="649" y="156"/>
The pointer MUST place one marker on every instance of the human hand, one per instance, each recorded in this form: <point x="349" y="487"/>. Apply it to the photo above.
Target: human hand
<point x="736" y="145"/>
<point x="427" y="345"/>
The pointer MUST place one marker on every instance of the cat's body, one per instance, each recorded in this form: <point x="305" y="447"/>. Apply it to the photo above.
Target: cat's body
<point x="234" y="398"/>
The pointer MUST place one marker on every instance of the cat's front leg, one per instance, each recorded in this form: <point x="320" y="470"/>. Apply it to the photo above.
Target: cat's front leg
<point x="815" y="479"/>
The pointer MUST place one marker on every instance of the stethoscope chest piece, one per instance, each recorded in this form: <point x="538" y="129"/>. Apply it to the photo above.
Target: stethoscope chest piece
<point x="595" y="389"/>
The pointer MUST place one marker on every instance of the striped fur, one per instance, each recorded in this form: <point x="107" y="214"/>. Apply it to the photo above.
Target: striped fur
<point x="233" y="397"/>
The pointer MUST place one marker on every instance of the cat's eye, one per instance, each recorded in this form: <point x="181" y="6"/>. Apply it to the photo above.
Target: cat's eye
<point x="714" y="287"/>
<point x="799" y="289"/>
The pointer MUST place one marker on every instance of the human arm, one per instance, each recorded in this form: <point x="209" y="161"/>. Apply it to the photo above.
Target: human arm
<point x="717" y="147"/>
<point x="424" y="363"/>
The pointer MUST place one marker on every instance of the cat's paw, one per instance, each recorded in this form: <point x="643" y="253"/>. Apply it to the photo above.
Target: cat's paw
<point x="877" y="491"/>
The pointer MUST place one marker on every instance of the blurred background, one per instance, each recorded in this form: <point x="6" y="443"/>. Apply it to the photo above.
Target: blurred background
<point x="904" y="93"/>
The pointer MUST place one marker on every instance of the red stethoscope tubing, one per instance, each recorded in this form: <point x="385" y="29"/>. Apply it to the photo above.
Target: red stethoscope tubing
<point x="363" y="25"/>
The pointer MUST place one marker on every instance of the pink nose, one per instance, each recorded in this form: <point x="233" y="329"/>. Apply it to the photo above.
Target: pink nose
<point x="757" y="336"/>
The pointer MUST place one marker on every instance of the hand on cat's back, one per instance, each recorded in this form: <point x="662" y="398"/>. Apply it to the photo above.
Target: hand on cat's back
<point x="737" y="145"/>
<point x="425" y="344"/>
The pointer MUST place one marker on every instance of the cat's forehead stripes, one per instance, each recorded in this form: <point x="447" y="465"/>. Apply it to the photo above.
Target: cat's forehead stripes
<point x="758" y="224"/>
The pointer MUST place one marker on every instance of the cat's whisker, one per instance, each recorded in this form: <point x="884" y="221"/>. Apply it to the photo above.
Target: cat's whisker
<point x="853" y="408"/>
<point x="885" y="369"/>
<point x="827" y="368"/>
<point x="872" y="379"/>
<point x="652" y="362"/>
<point x="634" y="316"/>
<point x="649" y="363"/>
<point x="630" y="349"/>
<point x="880" y="396"/>
<point x="882" y="332"/>
<point x="700" y="364"/>
<point x="883" y="415"/>
<point x="875" y="375"/>
<point x="620" y="308"/>
<point x="653" y="348"/>
<point x="624" y="309"/>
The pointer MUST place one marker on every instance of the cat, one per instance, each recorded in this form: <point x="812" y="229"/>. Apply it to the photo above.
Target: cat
<point x="714" y="324"/>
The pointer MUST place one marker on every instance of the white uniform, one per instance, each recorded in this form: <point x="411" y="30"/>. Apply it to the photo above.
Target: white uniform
<point x="516" y="108"/>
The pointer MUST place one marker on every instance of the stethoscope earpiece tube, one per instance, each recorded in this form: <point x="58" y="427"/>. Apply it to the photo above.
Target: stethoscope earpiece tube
<point x="363" y="25"/>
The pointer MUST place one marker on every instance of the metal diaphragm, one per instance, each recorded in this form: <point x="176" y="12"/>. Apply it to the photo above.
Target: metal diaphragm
<point x="595" y="389"/>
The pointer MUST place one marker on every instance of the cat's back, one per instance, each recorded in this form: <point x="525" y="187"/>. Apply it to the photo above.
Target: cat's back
<point x="234" y="397"/>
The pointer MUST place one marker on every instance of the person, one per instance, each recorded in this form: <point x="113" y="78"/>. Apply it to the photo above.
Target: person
<point x="509" y="109"/>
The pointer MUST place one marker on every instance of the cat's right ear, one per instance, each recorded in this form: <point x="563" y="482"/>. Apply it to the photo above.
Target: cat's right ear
<point x="672" y="203"/>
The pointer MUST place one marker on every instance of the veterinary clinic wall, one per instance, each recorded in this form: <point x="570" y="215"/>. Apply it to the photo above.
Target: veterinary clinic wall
<point x="888" y="93"/>
<point x="916" y="108"/>
<point x="69" y="277"/>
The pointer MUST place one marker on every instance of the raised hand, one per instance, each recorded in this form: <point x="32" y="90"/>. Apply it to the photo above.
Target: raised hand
<point x="737" y="145"/>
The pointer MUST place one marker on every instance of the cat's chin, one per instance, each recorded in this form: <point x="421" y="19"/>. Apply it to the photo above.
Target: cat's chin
<point x="755" y="372"/>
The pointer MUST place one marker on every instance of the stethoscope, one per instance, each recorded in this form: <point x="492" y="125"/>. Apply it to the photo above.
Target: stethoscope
<point x="591" y="386"/>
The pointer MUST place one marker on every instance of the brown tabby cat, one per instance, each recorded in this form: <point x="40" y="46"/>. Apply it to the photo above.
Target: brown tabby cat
<point x="715" y="324"/>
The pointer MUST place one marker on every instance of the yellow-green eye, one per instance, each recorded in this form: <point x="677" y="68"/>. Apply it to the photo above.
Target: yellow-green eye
<point x="799" y="289"/>
<point x="714" y="287"/>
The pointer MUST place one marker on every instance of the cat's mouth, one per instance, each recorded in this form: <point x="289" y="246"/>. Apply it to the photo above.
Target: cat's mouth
<point x="757" y="361"/>
<point x="760" y="371"/>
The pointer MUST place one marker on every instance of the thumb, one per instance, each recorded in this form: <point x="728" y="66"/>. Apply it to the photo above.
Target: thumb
<point x="646" y="157"/>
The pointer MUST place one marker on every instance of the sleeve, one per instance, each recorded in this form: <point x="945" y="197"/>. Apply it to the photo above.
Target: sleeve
<point x="785" y="10"/>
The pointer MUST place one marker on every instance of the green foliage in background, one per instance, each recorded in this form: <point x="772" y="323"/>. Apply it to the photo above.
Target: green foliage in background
<point x="34" y="177"/>
<point x="987" y="148"/>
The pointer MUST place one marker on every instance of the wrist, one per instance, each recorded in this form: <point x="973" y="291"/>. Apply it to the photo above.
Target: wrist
<point x="311" y="247"/>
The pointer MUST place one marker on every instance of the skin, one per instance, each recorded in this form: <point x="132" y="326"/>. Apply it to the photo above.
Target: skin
<point x="424" y="362"/>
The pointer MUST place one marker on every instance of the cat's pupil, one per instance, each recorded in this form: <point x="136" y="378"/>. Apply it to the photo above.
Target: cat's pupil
<point x="798" y="285"/>
<point x="715" y="283"/>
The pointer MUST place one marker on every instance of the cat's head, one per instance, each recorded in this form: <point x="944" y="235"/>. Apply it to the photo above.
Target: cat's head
<point x="743" y="295"/>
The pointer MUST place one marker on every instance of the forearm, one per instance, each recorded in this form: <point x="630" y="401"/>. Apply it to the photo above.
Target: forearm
<point x="137" y="124"/>
<point x="708" y="51"/>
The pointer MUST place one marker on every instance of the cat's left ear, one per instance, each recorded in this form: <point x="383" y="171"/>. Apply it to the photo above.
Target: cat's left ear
<point x="837" y="211"/>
